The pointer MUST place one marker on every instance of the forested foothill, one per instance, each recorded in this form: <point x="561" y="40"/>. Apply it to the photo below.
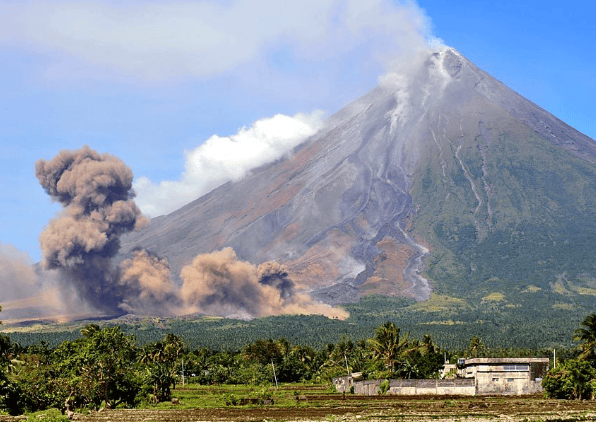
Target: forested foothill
<point x="532" y="320"/>
<point x="106" y="367"/>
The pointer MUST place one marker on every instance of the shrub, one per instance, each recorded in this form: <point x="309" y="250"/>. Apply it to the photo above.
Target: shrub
<point x="572" y="380"/>
<point x="384" y="387"/>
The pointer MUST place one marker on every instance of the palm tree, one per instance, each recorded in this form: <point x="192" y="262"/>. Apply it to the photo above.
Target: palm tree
<point x="90" y="330"/>
<point x="388" y="345"/>
<point x="427" y="345"/>
<point x="587" y="335"/>
<point x="173" y="348"/>
<point x="304" y="354"/>
<point x="476" y="346"/>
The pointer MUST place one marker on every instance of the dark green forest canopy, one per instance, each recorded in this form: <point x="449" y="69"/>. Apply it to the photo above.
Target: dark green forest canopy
<point x="502" y="324"/>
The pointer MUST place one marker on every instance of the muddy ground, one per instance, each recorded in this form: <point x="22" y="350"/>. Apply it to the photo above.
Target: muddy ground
<point x="354" y="408"/>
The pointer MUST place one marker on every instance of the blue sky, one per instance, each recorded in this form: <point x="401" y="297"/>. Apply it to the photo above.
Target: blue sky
<point x="100" y="73"/>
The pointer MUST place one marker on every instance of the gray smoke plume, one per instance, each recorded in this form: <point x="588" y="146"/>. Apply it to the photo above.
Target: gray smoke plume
<point x="147" y="283"/>
<point x="17" y="275"/>
<point x="219" y="284"/>
<point x="96" y="193"/>
<point x="29" y="292"/>
<point x="276" y="275"/>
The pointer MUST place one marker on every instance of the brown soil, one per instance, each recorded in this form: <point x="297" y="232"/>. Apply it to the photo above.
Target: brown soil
<point x="358" y="408"/>
<point x="388" y="278"/>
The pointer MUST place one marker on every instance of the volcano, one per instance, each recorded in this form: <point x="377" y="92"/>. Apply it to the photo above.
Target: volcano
<point x="441" y="179"/>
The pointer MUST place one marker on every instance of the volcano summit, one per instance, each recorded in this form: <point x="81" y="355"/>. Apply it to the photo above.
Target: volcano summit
<point x="440" y="179"/>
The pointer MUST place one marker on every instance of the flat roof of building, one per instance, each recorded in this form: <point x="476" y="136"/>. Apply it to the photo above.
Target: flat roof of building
<point x="477" y="361"/>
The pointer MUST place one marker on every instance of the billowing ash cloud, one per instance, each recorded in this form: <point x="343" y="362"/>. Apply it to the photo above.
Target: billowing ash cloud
<point x="219" y="284"/>
<point x="96" y="193"/>
<point x="147" y="280"/>
<point x="29" y="292"/>
<point x="276" y="275"/>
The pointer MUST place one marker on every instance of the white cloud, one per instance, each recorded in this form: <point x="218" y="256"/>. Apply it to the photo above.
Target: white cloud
<point x="159" y="40"/>
<point x="222" y="159"/>
<point x="165" y="40"/>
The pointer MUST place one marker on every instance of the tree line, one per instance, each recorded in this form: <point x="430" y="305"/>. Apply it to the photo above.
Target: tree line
<point x="522" y="319"/>
<point x="107" y="367"/>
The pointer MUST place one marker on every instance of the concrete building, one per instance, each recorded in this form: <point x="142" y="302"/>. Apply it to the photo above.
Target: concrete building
<point x="508" y="376"/>
<point x="344" y="384"/>
<point x="478" y="376"/>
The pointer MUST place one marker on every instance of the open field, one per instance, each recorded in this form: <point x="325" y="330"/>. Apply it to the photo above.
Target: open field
<point x="378" y="411"/>
<point x="208" y="403"/>
<point x="336" y="408"/>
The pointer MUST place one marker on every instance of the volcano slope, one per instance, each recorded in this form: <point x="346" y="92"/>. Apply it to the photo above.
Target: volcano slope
<point x="441" y="179"/>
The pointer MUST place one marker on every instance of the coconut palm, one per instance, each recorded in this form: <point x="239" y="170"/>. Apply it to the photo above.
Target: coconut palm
<point x="476" y="347"/>
<point x="388" y="346"/>
<point x="587" y="335"/>
<point x="89" y="330"/>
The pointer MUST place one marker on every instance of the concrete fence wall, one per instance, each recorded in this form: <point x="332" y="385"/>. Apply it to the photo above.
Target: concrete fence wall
<point x="508" y="386"/>
<point x="441" y="387"/>
<point x="367" y="388"/>
<point x="438" y="387"/>
<point x="343" y="384"/>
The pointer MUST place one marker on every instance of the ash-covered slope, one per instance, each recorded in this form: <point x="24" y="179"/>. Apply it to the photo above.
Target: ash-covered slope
<point x="423" y="175"/>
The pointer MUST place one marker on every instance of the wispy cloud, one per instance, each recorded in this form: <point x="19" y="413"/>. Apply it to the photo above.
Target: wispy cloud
<point x="279" y="49"/>
<point x="221" y="159"/>
<point x="159" y="40"/>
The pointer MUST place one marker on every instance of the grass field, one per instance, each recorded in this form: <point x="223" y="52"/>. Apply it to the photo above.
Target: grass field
<point x="300" y="402"/>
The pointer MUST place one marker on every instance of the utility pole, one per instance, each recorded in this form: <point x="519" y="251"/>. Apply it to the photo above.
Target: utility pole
<point x="554" y="358"/>
<point x="347" y="369"/>
<point x="274" y="376"/>
<point x="183" y="372"/>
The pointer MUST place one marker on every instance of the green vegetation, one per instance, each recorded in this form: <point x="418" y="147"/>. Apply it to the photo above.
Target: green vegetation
<point x="586" y="334"/>
<point x="530" y="236"/>
<point x="106" y="368"/>
<point x="451" y="322"/>
<point x="576" y="378"/>
<point x="9" y="392"/>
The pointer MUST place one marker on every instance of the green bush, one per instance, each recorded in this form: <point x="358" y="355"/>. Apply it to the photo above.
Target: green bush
<point x="11" y="398"/>
<point x="574" y="379"/>
<point x="384" y="387"/>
